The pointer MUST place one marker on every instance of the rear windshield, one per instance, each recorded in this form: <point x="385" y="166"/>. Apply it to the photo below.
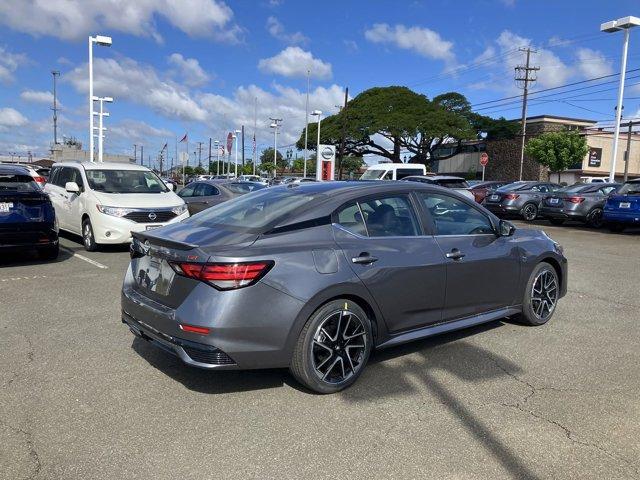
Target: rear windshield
<point x="452" y="183"/>
<point x="17" y="182"/>
<point x="125" y="181"/>
<point x="253" y="212"/>
<point x="631" y="188"/>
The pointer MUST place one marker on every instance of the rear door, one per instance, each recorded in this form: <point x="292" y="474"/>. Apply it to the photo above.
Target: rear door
<point x="402" y="268"/>
<point x="204" y="195"/>
<point x="482" y="269"/>
<point x="73" y="201"/>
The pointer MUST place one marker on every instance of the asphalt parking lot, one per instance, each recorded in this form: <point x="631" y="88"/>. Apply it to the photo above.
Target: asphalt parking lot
<point x="80" y="398"/>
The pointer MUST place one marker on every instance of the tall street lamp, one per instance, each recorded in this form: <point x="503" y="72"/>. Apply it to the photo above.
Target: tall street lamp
<point x="318" y="113"/>
<point x="626" y="24"/>
<point x="217" y="142"/>
<point x="101" y="114"/>
<point x="105" y="42"/>
<point x="235" y="138"/>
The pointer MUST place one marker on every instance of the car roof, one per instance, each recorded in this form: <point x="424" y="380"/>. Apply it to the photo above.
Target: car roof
<point x="103" y="165"/>
<point x="395" y="166"/>
<point x="16" y="169"/>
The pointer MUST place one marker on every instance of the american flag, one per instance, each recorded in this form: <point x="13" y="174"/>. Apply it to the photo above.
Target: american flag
<point x="184" y="139"/>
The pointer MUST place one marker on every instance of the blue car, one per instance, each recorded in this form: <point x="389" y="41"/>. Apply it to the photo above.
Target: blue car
<point x="623" y="209"/>
<point x="27" y="217"/>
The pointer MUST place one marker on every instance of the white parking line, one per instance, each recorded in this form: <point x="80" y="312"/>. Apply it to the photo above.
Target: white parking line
<point x="82" y="257"/>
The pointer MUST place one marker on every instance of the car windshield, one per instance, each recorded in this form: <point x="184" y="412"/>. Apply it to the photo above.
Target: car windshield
<point x="630" y="188"/>
<point x="244" y="187"/>
<point x="372" y="174"/>
<point x="510" y="187"/>
<point x="125" y="181"/>
<point x="452" y="183"/>
<point x="253" y="212"/>
<point x="17" y="182"/>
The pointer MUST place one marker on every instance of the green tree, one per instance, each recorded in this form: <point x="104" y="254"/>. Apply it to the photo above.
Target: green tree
<point x="557" y="150"/>
<point x="267" y="157"/>
<point x="199" y="170"/>
<point x="351" y="165"/>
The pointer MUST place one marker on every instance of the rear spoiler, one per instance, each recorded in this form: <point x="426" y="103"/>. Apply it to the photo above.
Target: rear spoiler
<point x="163" y="242"/>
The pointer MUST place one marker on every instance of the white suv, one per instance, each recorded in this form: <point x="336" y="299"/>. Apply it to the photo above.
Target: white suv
<point x="105" y="202"/>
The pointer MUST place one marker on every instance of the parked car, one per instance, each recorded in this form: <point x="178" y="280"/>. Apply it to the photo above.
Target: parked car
<point x="201" y="195"/>
<point x="171" y="183"/>
<point x="481" y="189"/>
<point x="290" y="180"/>
<point x="622" y="209"/>
<point x="253" y="178"/>
<point x="520" y="199"/>
<point x="105" y="202"/>
<point x="458" y="184"/>
<point x="314" y="276"/>
<point x="594" y="179"/>
<point x="38" y="173"/>
<point x="393" y="171"/>
<point x="27" y="217"/>
<point x="583" y="202"/>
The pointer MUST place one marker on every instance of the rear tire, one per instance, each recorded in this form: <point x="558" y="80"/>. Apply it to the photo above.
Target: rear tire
<point x="529" y="212"/>
<point x="88" y="238"/>
<point x="594" y="219"/>
<point x="333" y="347"/>
<point x="49" y="253"/>
<point x="556" y="221"/>
<point x="541" y="295"/>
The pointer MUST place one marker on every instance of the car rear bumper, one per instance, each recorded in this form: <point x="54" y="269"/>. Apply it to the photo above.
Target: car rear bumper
<point x="617" y="216"/>
<point x="500" y="209"/>
<point x="28" y="236"/>
<point x="558" y="213"/>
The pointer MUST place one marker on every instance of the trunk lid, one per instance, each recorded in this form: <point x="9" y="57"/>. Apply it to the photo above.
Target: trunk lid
<point x="624" y="203"/>
<point x="25" y="207"/>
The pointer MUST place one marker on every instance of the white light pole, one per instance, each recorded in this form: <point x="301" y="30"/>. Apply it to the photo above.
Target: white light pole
<point x="101" y="114"/>
<point x="318" y="113"/>
<point x="306" y="128"/>
<point x="217" y="142"/>
<point x="105" y="42"/>
<point x="625" y="23"/>
<point x="235" y="138"/>
<point x="275" y="125"/>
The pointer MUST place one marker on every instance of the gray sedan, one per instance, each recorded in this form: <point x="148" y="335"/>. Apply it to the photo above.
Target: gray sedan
<point x="314" y="276"/>
<point x="519" y="199"/>
<point x="581" y="202"/>
<point x="201" y="195"/>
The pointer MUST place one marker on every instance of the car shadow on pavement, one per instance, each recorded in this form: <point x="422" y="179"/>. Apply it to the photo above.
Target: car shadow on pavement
<point x="24" y="258"/>
<point x="122" y="247"/>
<point x="207" y="381"/>
<point x="420" y="374"/>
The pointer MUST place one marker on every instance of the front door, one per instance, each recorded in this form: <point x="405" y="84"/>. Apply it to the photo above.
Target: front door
<point x="483" y="269"/>
<point x="400" y="266"/>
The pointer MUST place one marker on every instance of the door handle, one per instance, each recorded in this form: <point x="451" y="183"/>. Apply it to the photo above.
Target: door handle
<point x="364" y="259"/>
<point x="455" y="254"/>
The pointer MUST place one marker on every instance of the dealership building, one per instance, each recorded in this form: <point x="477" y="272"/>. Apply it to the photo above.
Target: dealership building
<point x="504" y="155"/>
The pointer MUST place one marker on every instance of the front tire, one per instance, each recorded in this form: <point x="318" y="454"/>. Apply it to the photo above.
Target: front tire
<point x="529" y="212"/>
<point x="88" y="238"/>
<point x="333" y="347"/>
<point x="541" y="295"/>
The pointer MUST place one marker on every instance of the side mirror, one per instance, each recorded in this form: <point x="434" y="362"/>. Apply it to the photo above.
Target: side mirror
<point x="506" y="229"/>
<point x="170" y="186"/>
<point x="72" y="187"/>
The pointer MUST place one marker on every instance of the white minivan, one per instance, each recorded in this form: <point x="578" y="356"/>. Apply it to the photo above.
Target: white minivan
<point x="393" y="171"/>
<point x="105" y="202"/>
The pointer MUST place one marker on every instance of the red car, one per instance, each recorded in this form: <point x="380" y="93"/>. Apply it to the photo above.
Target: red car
<point x="480" y="190"/>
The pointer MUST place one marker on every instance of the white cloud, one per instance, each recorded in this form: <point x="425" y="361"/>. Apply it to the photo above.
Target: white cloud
<point x="10" y="117"/>
<point x="75" y="19"/>
<point x="592" y="63"/>
<point x="126" y="79"/>
<point x="351" y="45"/>
<point x="294" y="62"/>
<point x="277" y="30"/>
<point x="136" y="131"/>
<point x="189" y="70"/>
<point x="423" y="41"/>
<point x="37" y="96"/>
<point x="9" y="63"/>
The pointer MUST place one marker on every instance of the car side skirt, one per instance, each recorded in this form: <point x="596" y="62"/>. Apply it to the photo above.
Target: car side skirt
<point x="450" y="326"/>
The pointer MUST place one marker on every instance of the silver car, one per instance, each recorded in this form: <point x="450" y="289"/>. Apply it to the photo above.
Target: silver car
<point x="580" y="202"/>
<point x="312" y="277"/>
<point x="519" y="199"/>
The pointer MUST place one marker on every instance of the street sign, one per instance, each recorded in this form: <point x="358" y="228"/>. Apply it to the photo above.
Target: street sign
<point x="184" y="157"/>
<point x="484" y="159"/>
<point x="229" y="142"/>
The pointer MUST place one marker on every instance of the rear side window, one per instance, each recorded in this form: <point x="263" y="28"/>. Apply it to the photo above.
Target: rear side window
<point x="451" y="216"/>
<point x="380" y="217"/>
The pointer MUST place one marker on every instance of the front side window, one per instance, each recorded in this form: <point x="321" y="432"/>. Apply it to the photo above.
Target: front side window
<point x="451" y="216"/>
<point x="389" y="217"/>
<point x="125" y="181"/>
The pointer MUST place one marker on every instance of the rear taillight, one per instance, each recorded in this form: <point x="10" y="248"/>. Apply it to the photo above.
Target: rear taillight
<point x="224" y="276"/>
<point x="39" y="179"/>
<point x="194" y="329"/>
<point x="576" y="199"/>
<point x="511" y="196"/>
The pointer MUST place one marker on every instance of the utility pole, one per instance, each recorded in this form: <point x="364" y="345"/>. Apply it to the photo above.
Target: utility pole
<point x="141" y="155"/>
<point x="135" y="152"/>
<point x="199" y="154"/>
<point x="343" y="110"/>
<point x="306" y="128"/>
<point x="255" y="125"/>
<point x="55" y="74"/>
<point x="275" y="125"/>
<point x="627" y="154"/>
<point x="524" y="75"/>
<point x="242" y="129"/>
<point x="209" y="159"/>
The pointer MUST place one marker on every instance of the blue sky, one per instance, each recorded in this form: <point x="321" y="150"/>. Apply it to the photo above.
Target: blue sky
<point x="197" y="66"/>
